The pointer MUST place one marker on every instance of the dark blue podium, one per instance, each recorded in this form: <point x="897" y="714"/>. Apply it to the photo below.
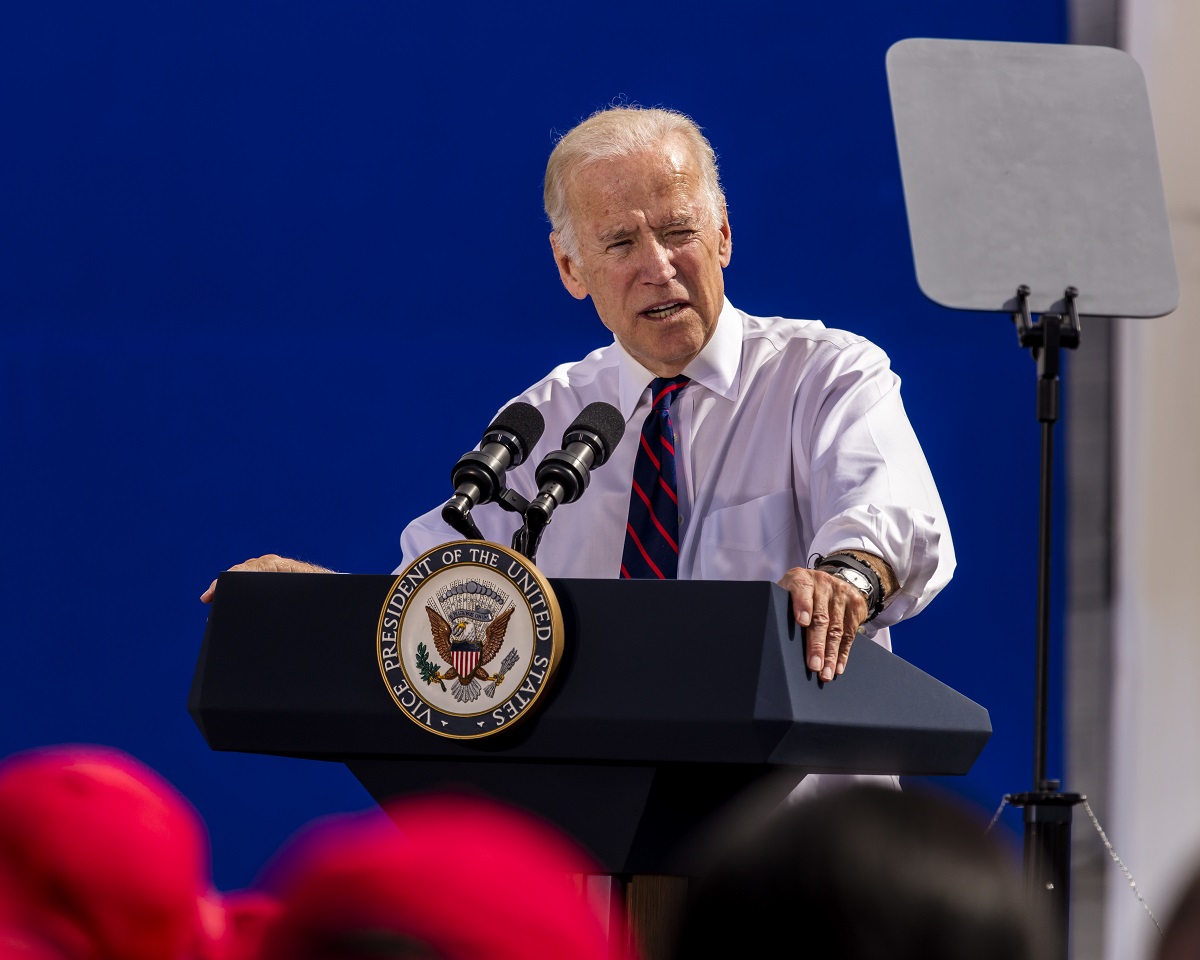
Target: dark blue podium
<point x="672" y="698"/>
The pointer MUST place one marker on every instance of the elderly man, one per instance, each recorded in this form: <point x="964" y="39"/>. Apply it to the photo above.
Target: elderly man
<point x="755" y="449"/>
<point x="790" y="444"/>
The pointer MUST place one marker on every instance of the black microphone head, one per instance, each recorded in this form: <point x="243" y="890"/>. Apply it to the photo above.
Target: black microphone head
<point x="524" y="422"/>
<point x="603" y="421"/>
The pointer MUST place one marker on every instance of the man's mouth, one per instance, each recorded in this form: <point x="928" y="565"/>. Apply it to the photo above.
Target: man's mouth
<point x="664" y="311"/>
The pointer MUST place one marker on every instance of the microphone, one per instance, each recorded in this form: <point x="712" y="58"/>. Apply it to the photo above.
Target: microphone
<point x="563" y="475"/>
<point x="478" y="477"/>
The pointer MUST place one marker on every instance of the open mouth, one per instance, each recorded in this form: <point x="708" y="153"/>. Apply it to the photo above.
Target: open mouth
<point x="666" y="310"/>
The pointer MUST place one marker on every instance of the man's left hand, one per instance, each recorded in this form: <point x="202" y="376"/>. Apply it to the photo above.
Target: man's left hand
<point x="831" y="611"/>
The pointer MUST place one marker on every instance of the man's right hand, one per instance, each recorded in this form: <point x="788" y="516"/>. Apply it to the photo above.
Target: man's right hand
<point x="271" y="563"/>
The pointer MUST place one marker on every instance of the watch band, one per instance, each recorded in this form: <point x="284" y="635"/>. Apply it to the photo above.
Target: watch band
<point x="837" y="561"/>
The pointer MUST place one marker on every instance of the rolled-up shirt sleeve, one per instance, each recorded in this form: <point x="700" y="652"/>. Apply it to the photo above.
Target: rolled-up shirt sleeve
<point x="869" y="482"/>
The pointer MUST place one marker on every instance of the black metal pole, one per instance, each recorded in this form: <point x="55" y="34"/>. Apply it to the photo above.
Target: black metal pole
<point x="1047" y="413"/>
<point x="1047" y="810"/>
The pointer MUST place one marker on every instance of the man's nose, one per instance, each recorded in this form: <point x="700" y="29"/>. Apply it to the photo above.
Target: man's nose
<point x="657" y="265"/>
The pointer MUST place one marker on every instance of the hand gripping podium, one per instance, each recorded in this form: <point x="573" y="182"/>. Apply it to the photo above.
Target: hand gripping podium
<point x="672" y="697"/>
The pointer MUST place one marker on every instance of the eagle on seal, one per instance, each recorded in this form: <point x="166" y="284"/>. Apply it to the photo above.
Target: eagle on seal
<point x="467" y="653"/>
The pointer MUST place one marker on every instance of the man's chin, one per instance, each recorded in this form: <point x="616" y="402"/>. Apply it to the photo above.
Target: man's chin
<point x="666" y="362"/>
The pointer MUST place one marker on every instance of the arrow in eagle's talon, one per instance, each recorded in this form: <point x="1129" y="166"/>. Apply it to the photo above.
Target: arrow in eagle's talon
<point x="506" y="664"/>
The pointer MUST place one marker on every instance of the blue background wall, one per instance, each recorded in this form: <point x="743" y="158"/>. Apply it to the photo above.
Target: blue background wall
<point x="245" y="246"/>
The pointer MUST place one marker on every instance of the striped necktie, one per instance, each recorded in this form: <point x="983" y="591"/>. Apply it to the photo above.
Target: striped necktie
<point x="652" y="532"/>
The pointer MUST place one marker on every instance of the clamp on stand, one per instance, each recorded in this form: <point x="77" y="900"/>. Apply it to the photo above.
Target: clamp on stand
<point x="457" y="512"/>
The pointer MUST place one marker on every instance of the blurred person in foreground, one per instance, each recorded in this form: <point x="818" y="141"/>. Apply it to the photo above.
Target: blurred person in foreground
<point x="101" y="859"/>
<point x="449" y="878"/>
<point x="1181" y="937"/>
<point x="870" y="874"/>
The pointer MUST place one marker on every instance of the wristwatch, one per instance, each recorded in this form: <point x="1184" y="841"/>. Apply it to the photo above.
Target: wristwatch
<point x="858" y="574"/>
<point x="855" y="579"/>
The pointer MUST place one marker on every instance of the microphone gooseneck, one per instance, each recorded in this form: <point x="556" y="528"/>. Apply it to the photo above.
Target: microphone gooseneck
<point x="564" y="474"/>
<point x="478" y="476"/>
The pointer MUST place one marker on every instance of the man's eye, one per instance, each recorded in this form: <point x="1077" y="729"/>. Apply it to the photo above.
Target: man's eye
<point x="680" y="235"/>
<point x="616" y="244"/>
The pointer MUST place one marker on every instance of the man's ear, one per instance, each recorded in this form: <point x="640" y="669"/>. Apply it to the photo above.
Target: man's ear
<point x="568" y="270"/>
<point x="725" y="247"/>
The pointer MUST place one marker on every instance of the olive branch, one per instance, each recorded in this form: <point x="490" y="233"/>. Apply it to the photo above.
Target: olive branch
<point x="428" y="670"/>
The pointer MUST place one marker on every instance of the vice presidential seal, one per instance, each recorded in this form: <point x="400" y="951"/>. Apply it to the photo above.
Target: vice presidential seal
<point x="469" y="637"/>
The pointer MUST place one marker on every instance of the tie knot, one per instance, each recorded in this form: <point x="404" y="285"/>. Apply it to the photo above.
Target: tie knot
<point x="664" y="389"/>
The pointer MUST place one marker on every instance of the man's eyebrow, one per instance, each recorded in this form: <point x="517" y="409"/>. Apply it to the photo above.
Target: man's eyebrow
<point x="618" y="233"/>
<point x="623" y="233"/>
<point x="680" y="220"/>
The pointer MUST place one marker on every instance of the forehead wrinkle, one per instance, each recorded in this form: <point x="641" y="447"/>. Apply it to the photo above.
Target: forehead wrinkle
<point x="615" y="233"/>
<point x="682" y="219"/>
<point x="617" y="203"/>
<point x="686" y="219"/>
<point x="610" y="178"/>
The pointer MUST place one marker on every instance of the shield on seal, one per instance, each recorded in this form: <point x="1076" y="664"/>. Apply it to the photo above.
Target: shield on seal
<point x="465" y="657"/>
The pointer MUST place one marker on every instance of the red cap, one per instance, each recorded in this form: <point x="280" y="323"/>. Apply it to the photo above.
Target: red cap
<point x="100" y="859"/>
<point x="461" y="879"/>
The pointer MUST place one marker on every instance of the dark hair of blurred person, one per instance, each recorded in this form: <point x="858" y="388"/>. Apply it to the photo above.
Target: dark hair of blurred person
<point x="1181" y="937"/>
<point x="450" y="878"/>
<point x="100" y="859"/>
<point x="860" y="874"/>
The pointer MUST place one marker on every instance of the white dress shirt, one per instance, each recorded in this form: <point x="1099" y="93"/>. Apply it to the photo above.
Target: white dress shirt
<point x="792" y="441"/>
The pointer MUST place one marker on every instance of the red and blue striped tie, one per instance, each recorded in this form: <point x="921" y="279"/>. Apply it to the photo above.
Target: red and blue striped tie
<point x="652" y="533"/>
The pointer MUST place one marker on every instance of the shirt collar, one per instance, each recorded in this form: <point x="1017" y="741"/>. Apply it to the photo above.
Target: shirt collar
<point x="717" y="366"/>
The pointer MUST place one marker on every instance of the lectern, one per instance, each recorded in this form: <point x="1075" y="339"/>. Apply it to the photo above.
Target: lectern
<point x="671" y="698"/>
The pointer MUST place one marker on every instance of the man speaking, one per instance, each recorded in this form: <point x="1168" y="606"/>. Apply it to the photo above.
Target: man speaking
<point x="754" y="448"/>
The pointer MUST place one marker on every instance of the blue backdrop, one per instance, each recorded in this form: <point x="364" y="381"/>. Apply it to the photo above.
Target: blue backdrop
<point x="246" y="245"/>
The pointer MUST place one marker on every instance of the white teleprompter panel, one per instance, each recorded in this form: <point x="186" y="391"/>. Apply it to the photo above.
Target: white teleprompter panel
<point x="1033" y="164"/>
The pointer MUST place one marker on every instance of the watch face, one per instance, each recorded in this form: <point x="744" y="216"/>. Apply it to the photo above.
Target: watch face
<point x="855" y="579"/>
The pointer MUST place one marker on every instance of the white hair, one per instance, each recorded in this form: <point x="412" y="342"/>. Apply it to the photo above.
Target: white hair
<point x="616" y="132"/>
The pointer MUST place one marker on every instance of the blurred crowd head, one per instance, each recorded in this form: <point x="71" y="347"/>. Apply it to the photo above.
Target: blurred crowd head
<point x="1181" y="937"/>
<point x="861" y="874"/>
<point x="102" y="859"/>
<point x="448" y="878"/>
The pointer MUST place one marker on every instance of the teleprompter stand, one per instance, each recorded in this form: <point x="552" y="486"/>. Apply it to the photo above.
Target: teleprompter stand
<point x="1047" y="809"/>
<point x="1032" y="167"/>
